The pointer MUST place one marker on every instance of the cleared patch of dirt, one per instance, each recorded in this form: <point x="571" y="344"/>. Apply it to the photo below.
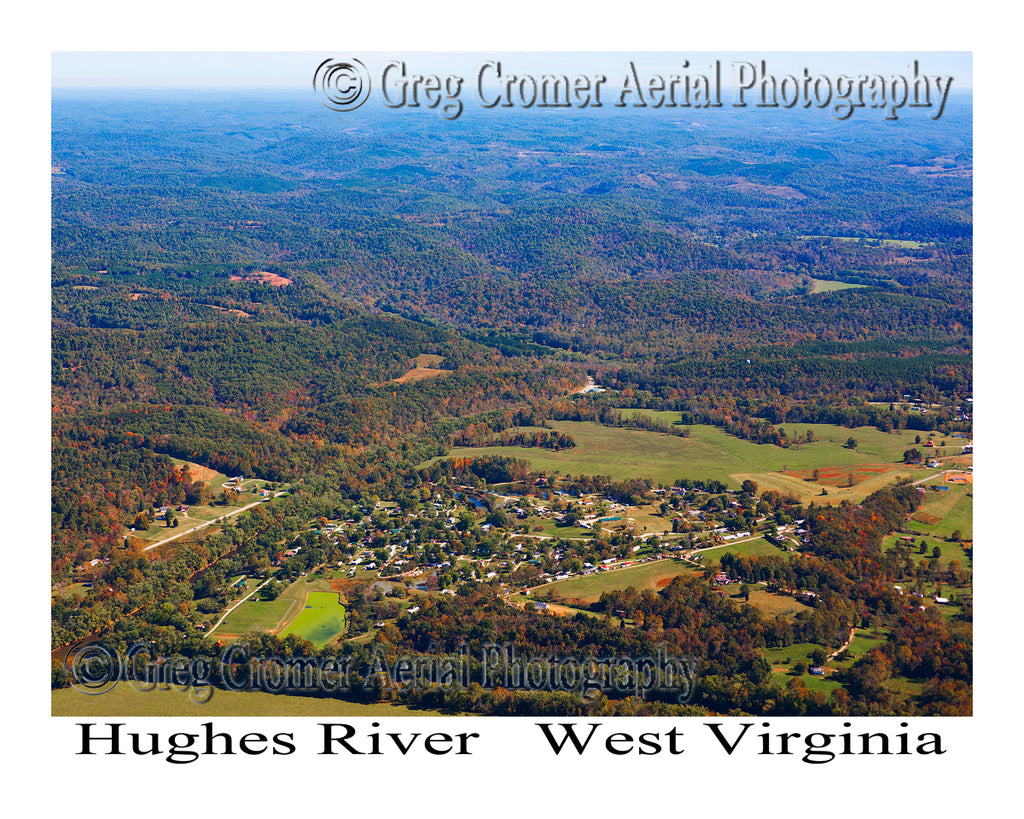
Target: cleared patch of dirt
<point x="420" y="373"/>
<point x="201" y="473"/>
<point x="783" y="191"/>
<point x="839" y="476"/>
<point x="231" y="310"/>
<point x="273" y="279"/>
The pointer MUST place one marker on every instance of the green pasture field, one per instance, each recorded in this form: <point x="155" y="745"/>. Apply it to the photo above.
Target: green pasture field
<point x="954" y="507"/>
<point x="551" y="528"/>
<point x="781" y="670"/>
<point x="590" y="588"/>
<point x="647" y="519"/>
<point x="320" y="621"/>
<point x="769" y="604"/>
<point x="756" y="547"/>
<point x="254" y="614"/>
<point x="823" y="684"/>
<point x="794" y="653"/>
<point x="781" y="673"/>
<point x="949" y="551"/>
<point x="270" y="615"/>
<point x="712" y="454"/>
<point x="126" y="701"/>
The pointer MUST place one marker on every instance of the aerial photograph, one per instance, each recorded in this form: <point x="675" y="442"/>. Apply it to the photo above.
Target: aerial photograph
<point x="524" y="384"/>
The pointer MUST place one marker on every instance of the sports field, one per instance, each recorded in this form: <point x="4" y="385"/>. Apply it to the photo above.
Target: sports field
<point x="320" y="621"/>
<point x="709" y="453"/>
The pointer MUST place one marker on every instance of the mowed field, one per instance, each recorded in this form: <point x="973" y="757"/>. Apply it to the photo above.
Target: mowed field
<point x="126" y="701"/>
<point x="758" y="546"/>
<point x="654" y="575"/>
<point x="254" y="614"/>
<point x="712" y="454"/>
<point x="321" y="620"/>
<point x="271" y="615"/>
<point x="944" y="512"/>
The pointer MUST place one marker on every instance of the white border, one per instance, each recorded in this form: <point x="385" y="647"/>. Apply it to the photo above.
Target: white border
<point x="518" y="777"/>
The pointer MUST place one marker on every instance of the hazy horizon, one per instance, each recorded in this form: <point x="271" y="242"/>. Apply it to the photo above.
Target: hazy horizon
<point x="294" y="70"/>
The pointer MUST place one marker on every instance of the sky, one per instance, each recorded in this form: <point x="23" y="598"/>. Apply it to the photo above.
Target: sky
<point x="233" y="69"/>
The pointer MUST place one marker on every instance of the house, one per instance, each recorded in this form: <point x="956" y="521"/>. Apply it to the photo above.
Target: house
<point x="818" y="671"/>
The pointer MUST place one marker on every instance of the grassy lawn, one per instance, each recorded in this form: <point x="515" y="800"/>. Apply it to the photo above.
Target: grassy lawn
<point x="758" y="546"/>
<point x="712" y="454"/>
<point x="823" y="684"/>
<point x="253" y="613"/>
<point x="321" y="620"/>
<point x="782" y="661"/>
<point x="863" y="641"/>
<point x="791" y="654"/>
<point x="126" y="701"/>
<point x="551" y="528"/>
<point x="271" y="615"/>
<point x="71" y="590"/>
<point x="948" y="551"/>
<point x="589" y="589"/>
<point x="772" y="605"/>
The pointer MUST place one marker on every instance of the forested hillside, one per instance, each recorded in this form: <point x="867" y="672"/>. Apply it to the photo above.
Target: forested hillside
<point x="244" y="285"/>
